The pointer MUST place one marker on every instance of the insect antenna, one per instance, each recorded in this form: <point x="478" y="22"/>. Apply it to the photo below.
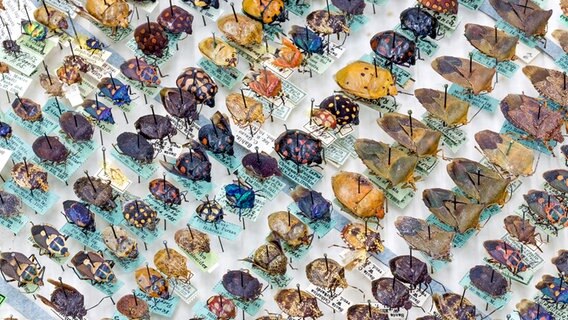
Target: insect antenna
<point x="100" y="301"/>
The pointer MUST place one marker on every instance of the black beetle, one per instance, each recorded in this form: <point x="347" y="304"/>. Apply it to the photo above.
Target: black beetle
<point x="299" y="147"/>
<point x="79" y="214"/>
<point x="395" y="47"/>
<point x="153" y="126"/>
<point x="242" y="285"/>
<point x="135" y="146"/>
<point x="217" y="136"/>
<point x="90" y="265"/>
<point x="166" y="192"/>
<point x="10" y="205"/>
<point x="49" y="148"/>
<point x="65" y="300"/>
<point x="76" y="126"/>
<point x="180" y="103"/>
<point x="261" y="165"/>
<point x="420" y="22"/>
<point x="488" y="280"/>
<point x="410" y="270"/>
<point x="391" y="293"/>
<point x="193" y="165"/>
<point x="96" y="192"/>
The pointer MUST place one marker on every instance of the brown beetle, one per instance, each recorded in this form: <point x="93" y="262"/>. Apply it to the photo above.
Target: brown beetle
<point x="451" y="110"/>
<point x="358" y="195"/>
<point x="192" y="241"/>
<point x="269" y="258"/>
<point x="411" y="133"/>
<point x="526" y="16"/>
<point x="491" y="42"/>
<point x="286" y="227"/>
<point x="240" y="29"/>
<point x="425" y="237"/>
<point x="522" y="230"/>
<point x="110" y="13"/>
<point x="173" y="264"/>
<point x="298" y="303"/>
<point x="326" y="273"/>
<point x="476" y="78"/>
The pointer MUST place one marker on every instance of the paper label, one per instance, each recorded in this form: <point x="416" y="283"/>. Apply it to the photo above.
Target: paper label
<point x="19" y="147"/>
<point x="104" y="70"/>
<point x="334" y="300"/>
<point x="253" y="53"/>
<point x="166" y="148"/>
<point x="145" y="170"/>
<point x="118" y="180"/>
<point x="198" y="189"/>
<point x="506" y="68"/>
<point x="336" y="155"/>
<point x="250" y="307"/>
<point x="63" y="6"/>
<point x="295" y="253"/>
<point x="398" y="193"/>
<point x="325" y="135"/>
<point x="91" y="239"/>
<point x="229" y="162"/>
<point x="418" y="296"/>
<point x="453" y="138"/>
<point x="172" y="213"/>
<point x="427" y="47"/>
<point x="321" y="62"/>
<point x="529" y="41"/>
<point x="320" y="227"/>
<point x="222" y="228"/>
<point x="371" y="270"/>
<point x="160" y="306"/>
<point x="302" y="175"/>
<point x="206" y="262"/>
<point x="184" y="290"/>
<point x="15" y="223"/>
<point x="55" y="107"/>
<point x="200" y="309"/>
<point x="482" y="101"/>
<point x="25" y="61"/>
<point x="94" y="57"/>
<point x="558" y="310"/>
<point x="562" y="62"/>
<point x="270" y="187"/>
<point x="37" y="200"/>
<point x="113" y="217"/>
<point x="402" y="76"/>
<point x="261" y="139"/>
<point x="495" y="302"/>
<point x="471" y="4"/>
<point x="14" y="83"/>
<point x="38" y="128"/>
<point x="227" y="77"/>
<point x="347" y="143"/>
<point x="299" y="8"/>
<point x="39" y="47"/>
<point x="451" y="21"/>
<point x="115" y="35"/>
<point x="518" y="135"/>
<point x="382" y="105"/>
<point x="282" y="73"/>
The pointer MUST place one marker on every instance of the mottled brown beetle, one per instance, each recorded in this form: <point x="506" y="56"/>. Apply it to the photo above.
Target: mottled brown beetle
<point x="288" y="228"/>
<point x="269" y="258"/>
<point x="298" y="303"/>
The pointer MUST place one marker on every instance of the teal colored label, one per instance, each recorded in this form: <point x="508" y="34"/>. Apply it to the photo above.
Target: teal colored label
<point x="450" y="21"/>
<point x="562" y="62"/>
<point x="518" y="135"/>
<point x="564" y="20"/>
<point x="14" y="223"/>
<point x="184" y="290"/>
<point x="19" y="147"/>
<point x="299" y="8"/>
<point x="425" y="166"/>
<point x="144" y="234"/>
<point x="162" y="307"/>
<point x="250" y="307"/>
<point x="198" y="189"/>
<point x="272" y="32"/>
<point x="114" y="35"/>
<point x="227" y="77"/>
<point x="347" y="143"/>
<point x="53" y="107"/>
<point x="483" y="101"/>
<point x="200" y="310"/>
<point x="452" y="138"/>
<point x="335" y="154"/>
<point x="205" y="261"/>
<point x="144" y="170"/>
<point x="295" y="253"/>
<point x="320" y="227"/>
<point x="269" y="187"/>
<point x="427" y="47"/>
<point x="495" y="302"/>
<point x="377" y="2"/>
<point x="251" y="214"/>
<point x="93" y="240"/>
<point x="382" y="105"/>
<point x="529" y="41"/>
<point x="319" y="62"/>
<point x="400" y="196"/>
<point x="151" y="92"/>
<point x="506" y="68"/>
<point x="222" y="228"/>
<point x="435" y="265"/>
<point x="402" y="76"/>
<point x="108" y="288"/>
<point x="37" y="200"/>
<point x="229" y="162"/>
<point x="37" y="128"/>
<point x="471" y="4"/>
<point x="558" y="310"/>
<point x="113" y="217"/>
<point x="127" y="265"/>
<point x="302" y="175"/>
<point x="172" y="213"/>
<point x="168" y="52"/>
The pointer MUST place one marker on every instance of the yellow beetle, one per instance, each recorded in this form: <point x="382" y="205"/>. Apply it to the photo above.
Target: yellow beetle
<point x="366" y="81"/>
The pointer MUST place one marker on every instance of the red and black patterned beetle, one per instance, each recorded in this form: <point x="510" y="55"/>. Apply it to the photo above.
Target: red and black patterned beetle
<point x="166" y="192"/>
<point x="138" y="69"/>
<point x="299" y="147"/>
<point x="151" y="39"/>
<point x="395" y="47"/>
<point x="345" y="110"/>
<point x="176" y="20"/>
<point x="198" y="82"/>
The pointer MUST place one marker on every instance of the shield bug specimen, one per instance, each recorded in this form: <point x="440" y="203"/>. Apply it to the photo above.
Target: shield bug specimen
<point x="425" y="237"/>
<point x="312" y="204"/>
<point x="90" y="265"/>
<point x="488" y="280"/>
<point x="69" y="74"/>
<point x="491" y="42"/>
<point x="529" y="310"/>
<point x="98" y="111"/>
<point x="110" y="13"/>
<point x="200" y="84"/>
<point x="298" y="303"/>
<point x="29" y="176"/>
<point x="441" y="6"/>
<point x="307" y="40"/>
<point x="391" y="164"/>
<point x="505" y="255"/>
<point x="151" y="39"/>
<point x="451" y="110"/>
<point x="96" y="192"/>
<point x="11" y="47"/>
<point x="242" y="285"/>
<point x="221" y="307"/>
<point x="219" y="52"/>
<point x="166" y="192"/>
<point x="411" y="270"/>
<point x="288" y="55"/>
<point x="204" y="4"/>
<point x="173" y="264"/>
<point x="136" y="146"/>
<point x="65" y="300"/>
<point x="470" y="75"/>
<point x="420" y="23"/>
<point x="553" y="288"/>
<point x="115" y="90"/>
<point x="345" y="110"/>
<point x="546" y="208"/>
<point x="558" y="179"/>
<point x="5" y="130"/>
<point x="366" y="312"/>
<point x="180" y="104"/>
<point x="328" y="274"/>
<point x="452" y="209"/>
<point x="562" y="37"/>
<point x="395" y="48"/>
<point x="192" y="241"/>
<point x="326" y="22"/>
<point x="139" y="214"/>
<point x="453" y="306"/>
<point x="521" y="229"/>
<point x="133" y="307"/>
<point x="269" y="258"/>
<point x="265" y="11"/>
<point x="362" y="240"/>
<point x="411" y="133"/>
<point x="244" y="110"/>
<point x="10" y="205"/>
<point x="210" y="211"/>
<point x="79" y="214"/>
<point x="35" y="30"/>
<point x="152" y="283"/>
<point x="193" y="165"/>
<point x="76" y="127"/>
<point x="323" y="119"/>
<point x="478" y="182"/>
<point x="549" y="83"/>
<point x="240" y="29"/>
<point x="391" y="293"/>
<point x="27" y="109"/>
<point x="26" y="271"/>
<point x="240" y="195"/>
<point x="119" y="242"/>
<point x="52" y="87"/>
<point x="299" y="147"/>
<point x="365" y="80"/>
<point x="265" y="83"/>
<point x="217" y="136"/>
<point x="289" y="229"/>
<point x="561" y="262"/>
<point x="507" y="154"/>
<point x="260" y="165"/>
<point x="526" y="15"/>
<point x="49" y="241"/>
<point x="155" y="127"/>
<point x="176" y="20"/>
<point x="138" y="69"/>
<point x="534" y="117"/>
<point x="358" y="195"/>
<point x="50" y="149"/>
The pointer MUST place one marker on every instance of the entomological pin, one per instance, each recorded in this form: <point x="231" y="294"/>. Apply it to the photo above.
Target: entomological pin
<point x="478" y="182"/>
<point x="138" y="69"/>
<point x="453" y="209"/>
<point x="151" y="39"/>
<point x="133" y="307"/>
<point x="52" y="18"/>
<point x="452" y="306"/>
<point x="240" y="29"/>
<point x="365" y="80"/>
<point x="411" y="133"/>
<point x="155" y="127"/>
<point x="395" y="48"/>
<point x="327" y="273"/>
<point x="508" y="155"/>
<point x="298" y="303"/>
<point x="26" y="271"/>
<point x="343" y="109"/>
<point x="244" y="110"/>
<point x="553" y="289"/>
<point x="307" y="41"/>
<point x="119" y="242"/>
<point x="521" y="230"/>
<point x="441" y="105"/>
<point x="524" y="15"/>
<point x="529" y="310"/>
<point x="425" y="237"/>
<point x="96" y="192"/>
<point x="362" y="240"/>
<point x="27" y="109"/>
<point x="358" y="195"/>
<point x="180" y="104"/>
<point x="49" y="241"/>
<point x="505" y="255"/>
<point x="491" y="42"/>
<point x="389" y="163"/>
<point x="468" y="74"/>
<point x="488" y="280"/>
<point x="29" y="176"/>
<point x="550" y="83"/>
<point x="193" y="165"/>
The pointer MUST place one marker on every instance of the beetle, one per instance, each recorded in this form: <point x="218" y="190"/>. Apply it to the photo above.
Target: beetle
<point x="166" y="192"/>
<point x="488" y="280"/>
<point x="114" y="90"/>
<point x="326" y="22"/>
<point x="29" y="176"/>
<point x="65" y="300"/>
<point x="454" y="306"/>
<point x="506" y="153"/>
<point x="133" y="307"/>
<point x="411" y="270"/>
<point x="152" y="283"/>
<point x="219" y="52"/>
<point x="366" y="312"/>
<point x="245" y="110"/>
<point x="323" y="119"/>
<point x="425" y="237"/>
<point x="5" y="130"/>
<point x="312" y="204"/>
<point x="269" y="258"/>
<point x="27" y="109"/>
<point x="240" y="195"/>
<point x="260" y="165"/>
<point x="560" y="261"/>
<point x="193" y="165"/>
<point x="96" y="192"/>
<point x="557" y="179"/>
<point x="546" y="208"/>
<point x="26" y="271"/>
<point x="560" y="35"/>
<point x="443" y="106"/>
<point x="76" y="127"/>
<point x="505" y="255"/>
<point x="242" y="285"/>
<point x="420" y="23"/>
<point x="358" y="195"/>
<point x="79" y="214"/>
<point x="395" y="48"/>
<point x="50" y="149"/>
<point x="11" y="47"/>
<point x="113" y="14"/>
<point x="94" y="44"/>
<point x="299" y="147"/>
<point x="221" y="307"/>
<point x="441" y="6"/>
<point x="217" y="136"/>
<point x="350" y="7"/>
<point x="345" y="110"/>
<point x="240" y="29"/>
<point x="35" y="30"/>
<point x="289" y="229"/>
<point x="119" y="242"/>
<point x="136" y="146"/>
<point x="553" y="289"/>
<point x="265" y="11"/>
<point x="176" y="20"/>
<point x="69" y="74"/>
<point x="204" y="4"/>
<point x="365" y="80"/>
<point x="151" y="39"/>
<point x="10" y="205"/>
<point x="200" y="84"/>
<point x="155" y="127"/>
<point x="49" y="241"/>
<point x="471" y="76"/>
<point x="138" y="69"/>
<point x="173" y="264"/>
<point x="529" y="310"/>
<point x="328" y="274"/>
<point x="265" y="83"/>
<point x="180" y="104"/>
<point x="521" y="230"/>
<point x="527" y="17"/>
<point x="210" y="211"/>
<point x="192" y="241"/>
<point x="98" y="111"/>
<point x="91" y="265"/>
<point x="140" y="215"/>
<point x="453" y="209"/>
<point x="491" y="42"/>
<point x="307" y="40"/>
<point x="52" y="86"/>
<point x="549" y="83"/>
<point x="288" y="55"/>
<point x="298" y="303"/>
<point x="358" y="237"/>
<point x="391" y="293"/>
